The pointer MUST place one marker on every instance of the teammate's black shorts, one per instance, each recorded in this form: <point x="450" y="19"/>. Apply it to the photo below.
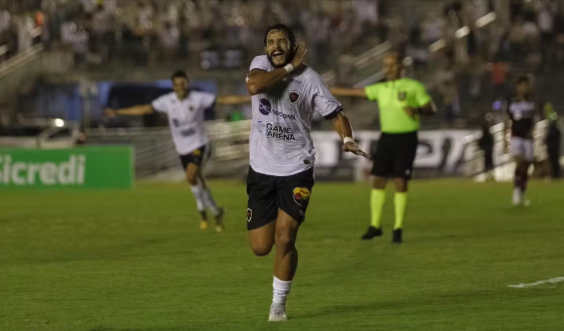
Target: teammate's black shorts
<point x="395" y="155"/>
<point x="267" y="194"/>
<point x="198" y="157"/>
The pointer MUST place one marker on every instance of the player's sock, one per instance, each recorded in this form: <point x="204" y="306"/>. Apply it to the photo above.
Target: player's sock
<point x="400" y="202"/>
<point x="377" y="200"/>
<point x="281" y="289"/>
<point x="197" y="190"/>
<point x="210" y="202"/>
<point x="524" y="181"/>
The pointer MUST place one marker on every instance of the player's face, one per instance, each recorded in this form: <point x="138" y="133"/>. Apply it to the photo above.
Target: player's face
<point x="523" y="88"/>
<point x="180" y="86"/>
<point x="278" y="48"/>
<point x="392" y="67"/>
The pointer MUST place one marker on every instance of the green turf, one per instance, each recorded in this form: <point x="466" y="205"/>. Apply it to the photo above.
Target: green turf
<point x="135" y="260"/>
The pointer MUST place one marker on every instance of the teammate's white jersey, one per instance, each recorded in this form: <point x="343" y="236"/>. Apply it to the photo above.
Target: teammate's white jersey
<point x="186" y="118"/>
<point x="280" y="143"/>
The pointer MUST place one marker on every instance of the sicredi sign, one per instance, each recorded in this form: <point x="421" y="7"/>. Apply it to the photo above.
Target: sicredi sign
<point x="87" y="167"/>
<point x="21" y="173"/>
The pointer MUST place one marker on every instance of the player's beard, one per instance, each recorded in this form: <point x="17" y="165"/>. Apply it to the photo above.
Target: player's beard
<point x="289" y="57"/>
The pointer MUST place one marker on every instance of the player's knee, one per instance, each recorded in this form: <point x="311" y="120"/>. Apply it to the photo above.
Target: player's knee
<point x="379" y="183"/>
<point x="401" y="185"/>
<point x="285" y="240"/>
<point x="192" y="178"/>
<point x="261" y="248"/>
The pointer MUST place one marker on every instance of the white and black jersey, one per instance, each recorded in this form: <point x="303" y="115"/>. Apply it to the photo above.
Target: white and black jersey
<point x="186" y="118"/>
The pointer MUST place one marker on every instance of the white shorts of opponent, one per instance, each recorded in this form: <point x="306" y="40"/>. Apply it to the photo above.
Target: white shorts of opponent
<point x="521" y="147"/>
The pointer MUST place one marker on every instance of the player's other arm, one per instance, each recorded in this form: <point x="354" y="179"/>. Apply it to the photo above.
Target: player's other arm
<point x="259" y="81"/>
<point x="132" y="111"/>
<point x="343" y="127"/>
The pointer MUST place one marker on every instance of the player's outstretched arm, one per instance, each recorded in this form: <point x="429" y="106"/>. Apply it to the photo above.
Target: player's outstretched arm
<point x="259" y="81"/>
<point x="343" y="127"/>
<point x="132" y="111"/>
<point x="233" y="99"/>
<point x="349" y="92"/>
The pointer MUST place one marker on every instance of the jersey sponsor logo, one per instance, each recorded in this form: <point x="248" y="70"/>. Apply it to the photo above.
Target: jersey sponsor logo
<point x="265" y="108"/>
<point x="301" y="195"/>
<point x="276" y="132"/>
<point x="402" y="95"/>
<point x="294" y="96"/>
<point x="249" y="215"/>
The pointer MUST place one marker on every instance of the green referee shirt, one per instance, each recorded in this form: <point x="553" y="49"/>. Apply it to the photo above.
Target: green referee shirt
<point x="393" y="97"/>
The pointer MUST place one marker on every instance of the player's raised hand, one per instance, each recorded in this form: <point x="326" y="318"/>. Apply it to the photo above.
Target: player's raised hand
<point x="299" y="55"/>
<point x="110" y="113"/>
<point x="352" y="147"/>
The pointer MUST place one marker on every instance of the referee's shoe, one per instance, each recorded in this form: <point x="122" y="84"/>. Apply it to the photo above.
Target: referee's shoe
<point x="371" y="233"/>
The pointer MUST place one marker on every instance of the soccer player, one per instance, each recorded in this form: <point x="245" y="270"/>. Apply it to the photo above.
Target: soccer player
<point x="401" y="101"/>
<point x="185" y="109"/>
<point x="520" y="111"/>
<point x="286" y="92"/>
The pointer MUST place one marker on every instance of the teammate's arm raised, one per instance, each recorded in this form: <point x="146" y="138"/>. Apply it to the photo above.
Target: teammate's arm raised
<point x="132" y="111"/>
<point x="259" y="81"/>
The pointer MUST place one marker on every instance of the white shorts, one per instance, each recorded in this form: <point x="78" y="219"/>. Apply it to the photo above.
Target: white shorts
<point x="523" y="148"/>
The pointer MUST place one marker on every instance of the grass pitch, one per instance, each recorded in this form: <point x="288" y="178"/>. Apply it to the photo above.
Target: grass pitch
<point x="136" y="260"/>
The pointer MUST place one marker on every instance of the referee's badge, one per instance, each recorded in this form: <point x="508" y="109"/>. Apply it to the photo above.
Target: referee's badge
<point x="402" y="95"/>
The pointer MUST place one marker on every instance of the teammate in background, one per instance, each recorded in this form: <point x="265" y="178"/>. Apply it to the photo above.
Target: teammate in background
<point x="521" y="112"/>
<point x="185" y="109"/>
<point x="401" y="101"/>
<point x="285" y="93"/>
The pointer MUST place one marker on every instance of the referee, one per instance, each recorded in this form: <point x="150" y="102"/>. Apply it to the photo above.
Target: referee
<point x="401" y="101"/>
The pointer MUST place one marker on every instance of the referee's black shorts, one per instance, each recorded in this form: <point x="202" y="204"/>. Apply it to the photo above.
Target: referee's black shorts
<point x="395" y="155"/>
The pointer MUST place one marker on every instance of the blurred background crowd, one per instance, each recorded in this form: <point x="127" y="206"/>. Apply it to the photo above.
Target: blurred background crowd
<point x="467" y="52"/>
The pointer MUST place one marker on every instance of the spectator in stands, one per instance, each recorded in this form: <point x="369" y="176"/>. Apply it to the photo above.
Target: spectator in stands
<point x="169" y="39"/>
<point x="432" y="28"/>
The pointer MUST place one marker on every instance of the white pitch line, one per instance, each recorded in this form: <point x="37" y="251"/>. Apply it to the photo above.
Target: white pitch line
<point x="540" y="282"/>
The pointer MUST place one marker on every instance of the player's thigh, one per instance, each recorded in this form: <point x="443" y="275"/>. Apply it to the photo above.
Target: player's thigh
<point x="404" y="156"/>
<point x="262" y="206"/>
<point x="383" y="159"/>
<point x="528" y="151"/>
<point x="262" y="239"/>
<point x="293" y="194"/>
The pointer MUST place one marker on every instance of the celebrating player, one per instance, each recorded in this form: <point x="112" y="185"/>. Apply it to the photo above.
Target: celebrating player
<point x="185" y="109"/>
<point x="521" y="111"/>
<point x="285" y="93"/>
<point x="401" y="101"/>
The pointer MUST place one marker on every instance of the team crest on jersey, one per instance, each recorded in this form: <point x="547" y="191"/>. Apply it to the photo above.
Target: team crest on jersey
<point x="176" y="122"/>
<point x="301" y="195"/>
<point x="249" y="214"/>
<point x="294" y="96"/>
<point x="402" y="95"/>
<point x="191" y="108"/>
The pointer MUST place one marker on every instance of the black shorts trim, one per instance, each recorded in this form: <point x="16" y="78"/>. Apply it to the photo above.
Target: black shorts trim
<point x="197" y="157"/>
<point x="268" y="193"/>
<point x="395" y="155"/>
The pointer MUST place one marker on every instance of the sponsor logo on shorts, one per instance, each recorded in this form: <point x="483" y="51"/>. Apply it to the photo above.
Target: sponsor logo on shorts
<point x="265" y="108"/>
<point x="402" y="95"/>
<point x="294" y="96"/>
<point x="249" y="214"/>
<point x="301" y="195"/>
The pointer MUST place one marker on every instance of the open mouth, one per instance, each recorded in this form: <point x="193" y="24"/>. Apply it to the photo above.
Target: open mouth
<point x="278" y="55"/>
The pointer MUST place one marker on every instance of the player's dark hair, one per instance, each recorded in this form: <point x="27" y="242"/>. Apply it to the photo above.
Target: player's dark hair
<point x="179" y="74"/>
<point x="281" y="27"/>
